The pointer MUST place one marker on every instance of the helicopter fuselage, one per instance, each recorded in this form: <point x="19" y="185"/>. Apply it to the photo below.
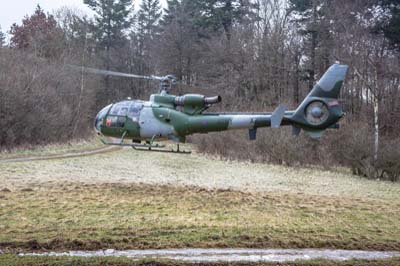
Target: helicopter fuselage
<point x="170" y="117"/>
<point x="144" y="121"/>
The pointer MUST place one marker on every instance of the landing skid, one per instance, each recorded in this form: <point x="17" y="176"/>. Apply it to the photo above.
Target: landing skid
<point x="155" y="148"/>
<point x="148" y="147"/>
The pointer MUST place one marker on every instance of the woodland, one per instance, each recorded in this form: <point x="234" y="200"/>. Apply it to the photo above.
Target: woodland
<point x="256" y="54"/>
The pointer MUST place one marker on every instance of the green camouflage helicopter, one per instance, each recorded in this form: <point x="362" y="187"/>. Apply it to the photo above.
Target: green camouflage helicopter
<point x="170" y="117"/>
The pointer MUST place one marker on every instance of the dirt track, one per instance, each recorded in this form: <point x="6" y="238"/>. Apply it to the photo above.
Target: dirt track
<point x="61" y="156"/>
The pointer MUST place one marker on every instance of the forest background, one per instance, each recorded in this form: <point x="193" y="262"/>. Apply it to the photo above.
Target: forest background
<point x="256" y="54"/>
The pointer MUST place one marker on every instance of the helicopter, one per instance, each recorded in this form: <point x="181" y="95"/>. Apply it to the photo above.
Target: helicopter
<point x="170" y="117"/>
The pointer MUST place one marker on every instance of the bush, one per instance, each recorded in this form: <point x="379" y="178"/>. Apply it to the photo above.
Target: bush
<point x="351" y="146"/>
<point x="38" y="101"/>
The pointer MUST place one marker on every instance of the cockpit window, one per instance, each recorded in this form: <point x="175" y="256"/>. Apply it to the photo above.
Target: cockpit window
<point x="120" y="108"/>
<point x="135" y="109"/>
<point x="100" y="116"/>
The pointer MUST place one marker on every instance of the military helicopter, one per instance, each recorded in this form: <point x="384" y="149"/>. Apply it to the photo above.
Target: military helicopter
<point x="170" y="117"/>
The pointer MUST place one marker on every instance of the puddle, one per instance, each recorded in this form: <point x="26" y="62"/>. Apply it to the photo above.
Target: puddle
<point x="230" y="255"/>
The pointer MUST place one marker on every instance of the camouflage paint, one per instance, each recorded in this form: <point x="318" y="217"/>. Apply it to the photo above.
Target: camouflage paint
<point x="161" y="119"/>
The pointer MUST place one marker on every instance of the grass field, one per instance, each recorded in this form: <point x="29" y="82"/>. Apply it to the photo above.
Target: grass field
<point x="129" y="199"/>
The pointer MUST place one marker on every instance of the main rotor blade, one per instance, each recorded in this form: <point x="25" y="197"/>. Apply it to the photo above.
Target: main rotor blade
<point x="114" y="73"/>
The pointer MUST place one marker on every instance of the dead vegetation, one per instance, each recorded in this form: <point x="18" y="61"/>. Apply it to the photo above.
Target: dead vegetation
<point x="79" y="216"/>
<point x="209" y="172"/>
<point x="350" y="146"/>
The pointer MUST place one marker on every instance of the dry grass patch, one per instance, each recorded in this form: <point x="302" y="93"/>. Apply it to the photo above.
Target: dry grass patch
<point x="86" y="216"/>
<point x="128" y="166"/>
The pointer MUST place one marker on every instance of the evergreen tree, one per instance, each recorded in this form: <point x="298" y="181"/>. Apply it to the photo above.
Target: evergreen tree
<point x="148" y="30"/>
<point x="223" y="14"/>
<point x="310" y="16"/>
<point x="170" y="13"/>
<point x="111" y="19"/>
<point x="180" y="38"/>
<point x="148" y="18"/>
<point x="390" y="25"/>
<point x="2" y="38"/>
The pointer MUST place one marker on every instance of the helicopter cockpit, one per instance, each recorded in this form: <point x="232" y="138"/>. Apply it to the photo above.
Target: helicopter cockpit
<point x="115" y="115"/>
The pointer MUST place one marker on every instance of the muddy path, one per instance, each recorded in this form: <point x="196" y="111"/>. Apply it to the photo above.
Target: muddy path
<point x="230" y="255"/>
<point x="61" y="156"/>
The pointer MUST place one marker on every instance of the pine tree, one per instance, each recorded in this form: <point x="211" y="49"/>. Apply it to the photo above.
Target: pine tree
<point x="310" y="18"/>
<point x="111" y="19"/>
<point x="390" y="26"/>
<point x="2" y="38"/>
<point x="224" y="14"/>
<point x="171" y="11"/>
<point x="148" y="17"/>
<point x="180" y="37"/>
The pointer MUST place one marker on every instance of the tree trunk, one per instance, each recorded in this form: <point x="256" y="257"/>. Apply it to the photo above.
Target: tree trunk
<point x="376" y="127"/>
<point x="313" y="45"/>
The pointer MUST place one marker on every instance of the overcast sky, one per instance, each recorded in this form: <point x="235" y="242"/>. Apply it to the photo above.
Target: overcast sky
<point x="13" y="11"/>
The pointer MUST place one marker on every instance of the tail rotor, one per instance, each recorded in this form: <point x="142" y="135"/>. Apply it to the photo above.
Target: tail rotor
<point x="321" y="109"/>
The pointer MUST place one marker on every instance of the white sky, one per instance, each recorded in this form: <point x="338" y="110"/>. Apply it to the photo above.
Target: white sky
<point x="13" y="11"/>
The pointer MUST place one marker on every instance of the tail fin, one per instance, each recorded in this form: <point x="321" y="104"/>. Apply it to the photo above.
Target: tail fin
<point x="330" y="83"/>
<point x="321" y="109"/>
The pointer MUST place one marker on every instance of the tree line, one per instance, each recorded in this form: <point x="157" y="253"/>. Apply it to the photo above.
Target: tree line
<point x="255" y="53"/>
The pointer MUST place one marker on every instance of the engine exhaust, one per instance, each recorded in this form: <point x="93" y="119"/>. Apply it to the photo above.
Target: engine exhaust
<point x="213" y="100"/>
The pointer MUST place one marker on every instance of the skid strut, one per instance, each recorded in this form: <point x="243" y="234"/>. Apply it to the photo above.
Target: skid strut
<point x="148" y="146"/>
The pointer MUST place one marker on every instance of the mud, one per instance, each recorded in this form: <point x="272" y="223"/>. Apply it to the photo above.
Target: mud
<point x="230" y="255"/>
<point x="60" y="156"/>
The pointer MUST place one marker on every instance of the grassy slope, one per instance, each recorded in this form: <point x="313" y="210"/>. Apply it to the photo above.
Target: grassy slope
<point x="76" y="216"/>
<point x="106" y="201"/>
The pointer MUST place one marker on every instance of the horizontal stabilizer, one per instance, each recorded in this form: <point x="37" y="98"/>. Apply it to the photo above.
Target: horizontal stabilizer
<point x="277" y="116"/>
<point x="296" y="131"/>
<point x="253" y="134"/>
<point x="314" y="134"/>
<point x="335" y="126"/>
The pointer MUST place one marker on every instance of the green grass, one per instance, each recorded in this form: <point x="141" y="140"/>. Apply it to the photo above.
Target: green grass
<point x="79" y="216"/>
<point x="8" y="260"/>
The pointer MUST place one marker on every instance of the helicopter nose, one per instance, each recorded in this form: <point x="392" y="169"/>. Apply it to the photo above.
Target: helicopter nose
<point x="98" y="122"/>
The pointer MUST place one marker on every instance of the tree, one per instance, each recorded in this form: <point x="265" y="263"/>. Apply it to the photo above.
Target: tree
<point x="179" y="45"/>
<point x="148" y="18"/>
<point x="112" y="18"/>
<point x="311" y="19"/>
<point x="2" y="38"/>
<point x="390" y="22"/>
<point x="39" y="33"/>
<point x="148" y="30"/>
<point x="223" y="14"/>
